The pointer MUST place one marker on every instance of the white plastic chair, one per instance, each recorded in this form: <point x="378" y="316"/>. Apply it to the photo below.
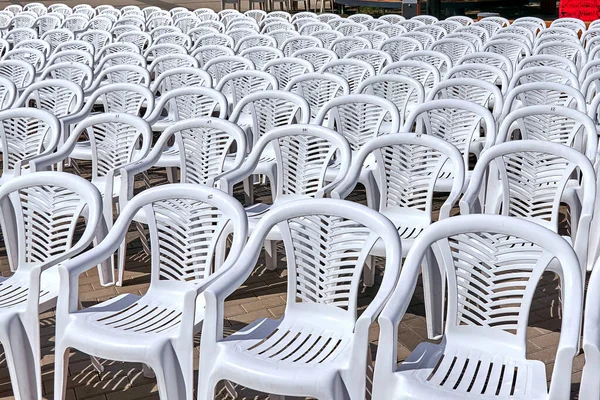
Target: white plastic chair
<point x="514" y="50"/>
<point x="8" y="93"/>
<point x="410" y="25"/>
<point x="454" y="48"/>
<point x="120" y="74"/>
<point x="17" y="35"/>
<point x="120" y="58"/>
<point x="589" y="386"/>
<point x="37" y="44"/>
<point x="77" y="56"/>
<point x="479" y="92"/>
<point x="180" y="39"/>
<point x="113" y="48"/>
<point x="424" y="73"/>
<point x="239" y="84"/>
<point x="75" y="23"/>
<point x="392" y="18"/>
<point x="322" y="314"/>
<point x="45" y="23"/>
<point x="352" y="70"/>
<point x="425" y="39"/>
<point x="468" y="126"/>
<point x="259" y="113"/>
<point x="140" y="39"/>
<point x="403" y="91"/>
<point x="57" y="36"/>
<point x="301" y="154"/>
<point x="78" y="73"/>
<point x="317" y="57"/>
<point x="544" y="74"/>
<point x="360" y="118"/>
<point x="317" y="89"/>
<point x="494" y="59"/>
<point x="31" y="56"/>
<point x="113" y="141"/>
<point x="261" y="55"/>
<point x="484" y="254"/>
<point x="162" y="64"/>
<point x="26" y="135"/>
<point x="292" y="45"/>
<point x="255" y="41"/>
<point x="347" y="28"/>
<point x="483" y="72"/>
<point x="400" y="46"/>
<point x="201" y="147"/>
<point x="46" y="208"/>
<point x="391" y="30"/>
<point x="374" y="37"/>
<point x="314" y="26"/>
<point x="21" y="73"/>
<point x="548" y="60"/>
<point x="221" y="66"/>
<point x="345" y="45"/>
<point x="186" y="102"/>
<point x="526" y="179"/>
<point x="544" y="93"/>
<point x="377" y="58"/>
<point x="285" y="69"/>
<point x="190" y="213"/>
<point x="407" y="169"/>
<point x="572" y="51"/>
<point x="552" y="124"/>
<point x="206" y="53"/>
<point x="438" y="59"/>
<point x="59" y="97"/>
<point x="449" y="25"/>
<point x="116" y="99"/>
<point x="181" y="77"/>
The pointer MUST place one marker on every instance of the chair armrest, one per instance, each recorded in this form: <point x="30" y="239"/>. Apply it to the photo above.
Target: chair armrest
<point x="45" y="162"/>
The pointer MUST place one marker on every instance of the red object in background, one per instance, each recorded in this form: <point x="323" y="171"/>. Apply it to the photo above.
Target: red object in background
<point x="586" y="10"/>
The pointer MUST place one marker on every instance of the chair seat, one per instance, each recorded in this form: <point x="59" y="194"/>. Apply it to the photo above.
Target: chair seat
<point x="441" y="371"/>
<point x="14" y="291"/>
<point x="137" y="321"/>
<point x="274" y="348"/>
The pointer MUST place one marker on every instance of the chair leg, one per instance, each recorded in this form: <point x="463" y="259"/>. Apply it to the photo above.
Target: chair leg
<point x="271" y="254"/>
<point x="121" y="257"/>
<point x="369" y="271"/>
<point x="23" y="369"/>
<point x="434" y="286"/>
<point x="206" y="386"/>
<point x="106" y="269"/>
<point x="172" y="172"/>
<point x="170" y="376"/>
<point x="371" y="189"/>
<point x="9" y="223"/>
<point x="61" y="366"/>
<point x="249" y="190"/>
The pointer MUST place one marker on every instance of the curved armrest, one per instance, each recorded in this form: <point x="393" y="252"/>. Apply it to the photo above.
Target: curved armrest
<point x="79" y="116"/>
<point x="46" y="161"/>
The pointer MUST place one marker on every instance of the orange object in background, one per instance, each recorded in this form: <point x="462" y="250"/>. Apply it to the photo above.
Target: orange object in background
<point x="586" y="10"/>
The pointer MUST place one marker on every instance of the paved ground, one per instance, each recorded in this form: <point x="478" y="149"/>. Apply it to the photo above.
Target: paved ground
<point x="263" y="295"/>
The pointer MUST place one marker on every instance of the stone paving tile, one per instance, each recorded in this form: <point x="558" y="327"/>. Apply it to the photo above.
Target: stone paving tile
<point x="263" y="295"/>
